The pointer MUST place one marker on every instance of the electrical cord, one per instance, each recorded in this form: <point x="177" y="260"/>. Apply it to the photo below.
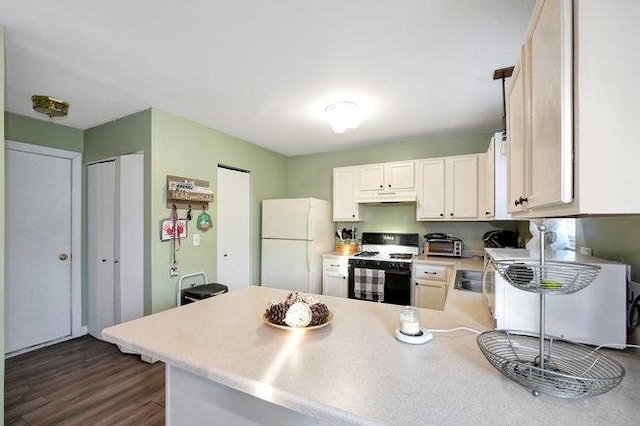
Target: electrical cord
<point x="606" y="345"/>
<point x="471" y="330"/>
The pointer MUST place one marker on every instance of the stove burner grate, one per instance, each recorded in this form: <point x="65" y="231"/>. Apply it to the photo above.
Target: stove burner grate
<point x="400" y="256"/>
<point x="368" y="254"/>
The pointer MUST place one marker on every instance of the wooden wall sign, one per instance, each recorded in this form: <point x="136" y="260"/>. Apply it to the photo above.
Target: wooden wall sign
<point x="187" y="193"/>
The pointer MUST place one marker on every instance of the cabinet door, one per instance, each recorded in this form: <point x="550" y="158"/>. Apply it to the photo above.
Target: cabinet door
<point x="400" y="175"/>
<point x="345" y="208"/>
<point x="431" y="189"/>
<point x="372" y="177"/>
<point x="430" y="294"/>
<point x="516" y="113"/>
<point x="335" y="284"/>
<point x="550" y="78"/>
<point x="485" y="184"/>
<point x="462" y="187"/>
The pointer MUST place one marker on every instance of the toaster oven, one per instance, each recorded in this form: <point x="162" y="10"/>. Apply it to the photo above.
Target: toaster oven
<point x="443" y="246"/>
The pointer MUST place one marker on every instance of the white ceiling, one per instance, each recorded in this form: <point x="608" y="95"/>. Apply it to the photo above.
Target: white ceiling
<point x="264" y="71"/>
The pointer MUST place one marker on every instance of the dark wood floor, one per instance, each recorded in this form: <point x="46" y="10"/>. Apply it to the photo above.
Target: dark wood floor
<point x="83" y="381"/>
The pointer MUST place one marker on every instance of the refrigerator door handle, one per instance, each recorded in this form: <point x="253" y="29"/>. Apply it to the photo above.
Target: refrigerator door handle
<point x="310" y="222"/>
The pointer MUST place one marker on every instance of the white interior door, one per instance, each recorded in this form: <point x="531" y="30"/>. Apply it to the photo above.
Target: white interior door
<point x="41" y="298"/>
<point x="234" y="228"/>
<point x="100" y="251"/>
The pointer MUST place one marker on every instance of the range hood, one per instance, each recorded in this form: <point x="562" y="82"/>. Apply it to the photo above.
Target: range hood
<point x="387" y="198"/>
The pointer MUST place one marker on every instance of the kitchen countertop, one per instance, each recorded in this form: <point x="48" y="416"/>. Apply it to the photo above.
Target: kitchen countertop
<point x="354" y="371"/>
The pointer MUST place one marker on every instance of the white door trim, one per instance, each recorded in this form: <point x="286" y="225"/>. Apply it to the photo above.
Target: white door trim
<point x="77" y="329"/>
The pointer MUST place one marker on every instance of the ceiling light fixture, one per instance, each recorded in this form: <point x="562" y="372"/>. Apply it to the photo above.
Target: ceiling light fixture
<point x="342" y="116"/>
<point x="50" y="106"/>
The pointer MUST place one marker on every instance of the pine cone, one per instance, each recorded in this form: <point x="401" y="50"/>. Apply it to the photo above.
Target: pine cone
<point x="293" y="297"/>
<point x="276" y="313"/>
<point x="319" y="313"/>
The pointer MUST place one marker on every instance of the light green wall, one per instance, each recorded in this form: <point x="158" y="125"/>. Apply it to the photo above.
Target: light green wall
<point x="312" y="176"/>
<point x="614" y="238"/>
<point x="20" y="128"/>
<point x="123" y="136"/>
<point x="185" y="148"/>
<point x="2" y="221"/>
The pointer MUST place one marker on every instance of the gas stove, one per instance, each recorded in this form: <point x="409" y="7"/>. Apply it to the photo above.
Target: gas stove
<point x="392" y="253"/>
<point x="387" y="247"/>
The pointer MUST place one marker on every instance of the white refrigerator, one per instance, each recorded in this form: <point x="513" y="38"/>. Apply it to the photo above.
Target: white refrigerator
<point x="296" y="232"/>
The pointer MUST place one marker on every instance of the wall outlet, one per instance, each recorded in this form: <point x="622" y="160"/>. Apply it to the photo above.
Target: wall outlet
<point x="586" y="251"/>
<point x="173" y="271"/>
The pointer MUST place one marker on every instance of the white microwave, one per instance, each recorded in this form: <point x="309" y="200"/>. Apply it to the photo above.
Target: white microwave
<point x="595" y="315"/>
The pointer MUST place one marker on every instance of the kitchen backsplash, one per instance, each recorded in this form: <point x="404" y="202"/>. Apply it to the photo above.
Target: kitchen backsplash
<point x="402" y="218"/>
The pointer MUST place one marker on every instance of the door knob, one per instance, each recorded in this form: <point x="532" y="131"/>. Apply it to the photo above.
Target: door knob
<point x="63" y="256"/>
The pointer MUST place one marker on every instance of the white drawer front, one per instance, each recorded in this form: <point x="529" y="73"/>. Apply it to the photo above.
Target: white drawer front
<point x="429" y="272"/>
<point x="335" y="263"/>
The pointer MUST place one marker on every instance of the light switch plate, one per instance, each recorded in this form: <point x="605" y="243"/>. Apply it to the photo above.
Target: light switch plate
<point x="196" y="239"/>
<point x="586" y="251"/>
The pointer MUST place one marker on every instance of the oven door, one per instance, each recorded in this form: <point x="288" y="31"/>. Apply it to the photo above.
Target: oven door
<point x="397" y="284"/>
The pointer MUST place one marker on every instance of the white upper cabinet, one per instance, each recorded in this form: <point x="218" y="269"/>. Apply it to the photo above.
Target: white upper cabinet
<point x="448" y="188"/>
<point x="580" y="115"/>
<point x="345" y="191"/>
<point x="372" y="177"/>
<point x="486" y="203"/>
<point x="393" y="182"/>
<point x="497" y="167"/>
<point x="549" y="74"/>
<point x="461" y="187"/>
<point x="516" y="166"/>
<point x="400" y="175"/>
<point x="431" y="203"/>
<point x="387" y="176"/>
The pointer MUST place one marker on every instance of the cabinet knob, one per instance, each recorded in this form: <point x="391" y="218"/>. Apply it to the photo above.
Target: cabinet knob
<point x="389" y="186"/>
<point x="381" y="186"/>
<point x="450" y="214"/>
<point x="487" y="213"/>
<point x="516" y="202"/>
<point x="524" y="200"/>
<point x="441" y="214"/>
<point x="353" y="215"/>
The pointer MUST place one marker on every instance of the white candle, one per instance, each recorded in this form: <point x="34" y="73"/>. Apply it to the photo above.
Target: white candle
<point x="409" y="323"/>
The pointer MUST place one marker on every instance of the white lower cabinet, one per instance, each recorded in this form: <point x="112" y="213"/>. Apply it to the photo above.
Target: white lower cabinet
<point x="430" y="286"/>
<point x="335" y="274"/>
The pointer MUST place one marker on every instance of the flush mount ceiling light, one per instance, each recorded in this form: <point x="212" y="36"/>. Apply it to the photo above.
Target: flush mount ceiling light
<point x="342" y="116"/>
<point x="50" y="106"/>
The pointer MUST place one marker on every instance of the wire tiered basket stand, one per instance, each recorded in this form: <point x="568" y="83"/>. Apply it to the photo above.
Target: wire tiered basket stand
<point x="542" y="363"/>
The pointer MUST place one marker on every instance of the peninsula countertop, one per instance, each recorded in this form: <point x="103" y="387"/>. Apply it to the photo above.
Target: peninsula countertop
<point x="354" y="371"/>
